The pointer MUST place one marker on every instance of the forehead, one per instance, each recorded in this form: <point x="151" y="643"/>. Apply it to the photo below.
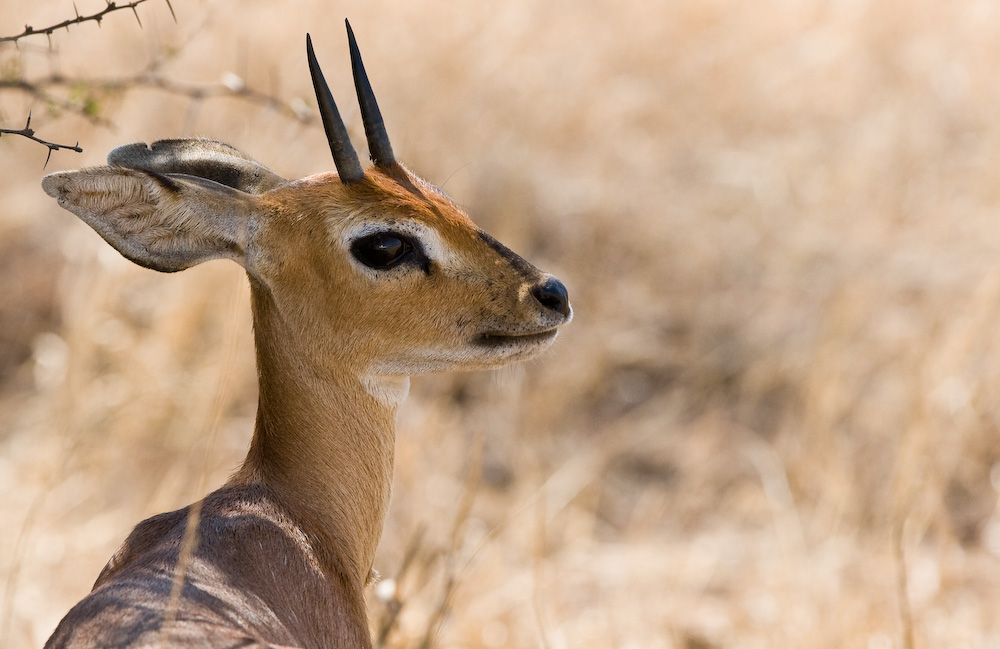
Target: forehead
<point x="414" y="198"/>
<point x="377" y="198"/>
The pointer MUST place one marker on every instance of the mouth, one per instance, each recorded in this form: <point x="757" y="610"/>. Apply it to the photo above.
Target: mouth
<point x="506" y="339"/>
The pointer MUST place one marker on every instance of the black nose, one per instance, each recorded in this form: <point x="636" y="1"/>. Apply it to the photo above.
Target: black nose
<point x="552" y="295"/>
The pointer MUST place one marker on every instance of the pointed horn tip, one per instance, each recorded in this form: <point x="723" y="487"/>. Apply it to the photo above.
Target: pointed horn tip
<point x="352" y="42"/>
<point x="313" y="63"/>
<point x="379" y="146"/>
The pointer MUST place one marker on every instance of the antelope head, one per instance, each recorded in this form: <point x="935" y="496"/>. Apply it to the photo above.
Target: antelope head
<point x="373" y="270"/>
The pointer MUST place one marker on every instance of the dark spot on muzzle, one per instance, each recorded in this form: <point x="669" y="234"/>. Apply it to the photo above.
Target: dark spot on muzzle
<point x="523" y="268"/>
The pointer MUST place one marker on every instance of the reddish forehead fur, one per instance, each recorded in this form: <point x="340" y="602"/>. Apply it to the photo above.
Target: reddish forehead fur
<point x="396" y="192"/>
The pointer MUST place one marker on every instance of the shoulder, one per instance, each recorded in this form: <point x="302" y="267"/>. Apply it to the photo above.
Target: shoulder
<point x="146" y="536"/>
<point x="224" y="522"/>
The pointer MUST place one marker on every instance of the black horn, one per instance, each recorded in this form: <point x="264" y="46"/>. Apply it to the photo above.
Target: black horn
<point x="378" y="139"/>
<point x="344" y="155"/>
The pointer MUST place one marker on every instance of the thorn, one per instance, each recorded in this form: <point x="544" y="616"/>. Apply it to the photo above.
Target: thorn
<point x="136" y="12"/>
<point x="76" y="11"/>
<point x="27" y="125"/>
<point x="171" y="7"/>
<point x="47" y="158"/>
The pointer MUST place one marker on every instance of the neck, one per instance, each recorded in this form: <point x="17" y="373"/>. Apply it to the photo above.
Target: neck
<point x="323" y="444"/>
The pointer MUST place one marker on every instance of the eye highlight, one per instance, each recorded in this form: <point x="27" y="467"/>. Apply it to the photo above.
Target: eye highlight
<point x="383" y="250"/>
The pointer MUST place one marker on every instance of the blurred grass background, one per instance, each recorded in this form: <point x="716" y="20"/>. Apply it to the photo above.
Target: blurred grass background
<point x="773" y="421"/>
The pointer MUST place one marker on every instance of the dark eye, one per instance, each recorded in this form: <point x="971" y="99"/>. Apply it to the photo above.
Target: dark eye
<point x="382" y="250"/>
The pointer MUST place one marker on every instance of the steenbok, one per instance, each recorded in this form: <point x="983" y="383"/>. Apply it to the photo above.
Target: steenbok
<point x="358" y="279"/>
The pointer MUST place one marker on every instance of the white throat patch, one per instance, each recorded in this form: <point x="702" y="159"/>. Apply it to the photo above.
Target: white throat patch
<point x="387" y="389"/>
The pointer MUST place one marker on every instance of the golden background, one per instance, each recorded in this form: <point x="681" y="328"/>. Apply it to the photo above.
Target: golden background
<point x="774" y="420"/>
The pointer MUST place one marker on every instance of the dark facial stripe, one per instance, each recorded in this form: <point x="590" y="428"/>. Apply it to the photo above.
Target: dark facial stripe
<point x="517" y="262"/>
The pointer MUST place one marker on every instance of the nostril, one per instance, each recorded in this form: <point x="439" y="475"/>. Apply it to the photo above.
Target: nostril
<point x="552" y="295"/>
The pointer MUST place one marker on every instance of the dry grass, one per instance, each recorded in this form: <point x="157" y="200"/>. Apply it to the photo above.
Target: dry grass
<point x="774" y="421"/>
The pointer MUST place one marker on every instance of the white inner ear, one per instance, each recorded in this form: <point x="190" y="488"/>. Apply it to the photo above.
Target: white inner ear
<point x="428" y="238"/>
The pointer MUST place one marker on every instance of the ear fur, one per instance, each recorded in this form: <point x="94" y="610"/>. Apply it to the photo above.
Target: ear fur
<point x="164" y="222"/>
<point x="198" y="157"/>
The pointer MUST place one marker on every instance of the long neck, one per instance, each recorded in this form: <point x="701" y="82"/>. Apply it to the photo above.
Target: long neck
<point x="323" y="444"/>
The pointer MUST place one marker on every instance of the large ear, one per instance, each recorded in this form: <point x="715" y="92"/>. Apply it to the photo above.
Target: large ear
<point x="164" y="222"/>
<point x="198" y="157"/>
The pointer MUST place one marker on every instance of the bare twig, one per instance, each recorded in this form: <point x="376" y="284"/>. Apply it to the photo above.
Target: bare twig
<point x="902" y="586"/>
<point x="96" y="17"/>
<point x="29" y="133"/>
<point x="149" y="78"/>
<point x="80" y="96"/>
<point x="394" y="606"/>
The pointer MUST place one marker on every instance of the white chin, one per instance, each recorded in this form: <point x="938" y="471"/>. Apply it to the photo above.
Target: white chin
<point x="499" y="350"/>
<point x="486" y="352"/>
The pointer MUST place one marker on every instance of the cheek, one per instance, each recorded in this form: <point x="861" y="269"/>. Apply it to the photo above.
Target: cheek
<point x="433" y="312"/>
<point x="393" y="310"/>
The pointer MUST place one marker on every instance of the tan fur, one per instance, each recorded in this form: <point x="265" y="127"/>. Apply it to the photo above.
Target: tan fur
<point x="285" y="548"/>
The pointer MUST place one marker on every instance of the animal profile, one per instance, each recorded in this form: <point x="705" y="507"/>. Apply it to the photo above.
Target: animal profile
<point x="358" y="279"/>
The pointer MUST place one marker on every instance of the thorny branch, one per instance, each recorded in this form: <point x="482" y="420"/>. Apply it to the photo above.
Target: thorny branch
<point x="148" y="78"/>
<point x="96" y="17"/>
<point x="29" y="133"/>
